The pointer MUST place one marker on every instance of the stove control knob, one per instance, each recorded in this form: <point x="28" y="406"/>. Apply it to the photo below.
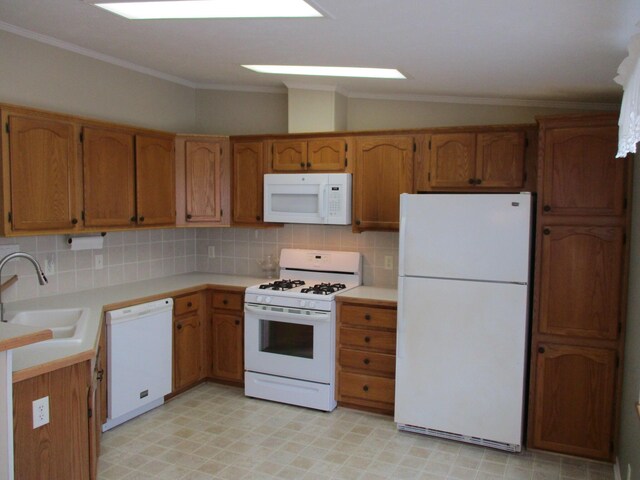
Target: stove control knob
<point x="267" y="300"/>
<point x="303" y="303"/>
<point x="312" y="304"/>
<point x="259" y="299"/>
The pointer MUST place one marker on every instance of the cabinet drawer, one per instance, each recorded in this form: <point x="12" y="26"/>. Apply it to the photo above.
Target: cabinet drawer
<point x="367" y="387"/>
<point x="368" y="316"/>
<point x="369" y="339"/>
<point x="227" y="300"/>
<point x="186" y="304"/>
<point x="370" y="361"/>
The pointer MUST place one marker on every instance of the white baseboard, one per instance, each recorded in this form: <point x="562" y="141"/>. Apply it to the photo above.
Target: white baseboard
<point x="616" y="470"/>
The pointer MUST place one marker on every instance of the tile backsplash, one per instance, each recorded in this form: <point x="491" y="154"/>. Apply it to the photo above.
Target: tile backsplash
<point x="138" y="255"/>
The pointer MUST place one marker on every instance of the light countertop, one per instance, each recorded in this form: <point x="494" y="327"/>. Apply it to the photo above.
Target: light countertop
<point x="31" y="360"/>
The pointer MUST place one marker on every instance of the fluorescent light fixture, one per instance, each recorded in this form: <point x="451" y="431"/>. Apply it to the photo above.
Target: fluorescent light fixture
<point x="211" y="9"/>
<point x="328" y="71"/>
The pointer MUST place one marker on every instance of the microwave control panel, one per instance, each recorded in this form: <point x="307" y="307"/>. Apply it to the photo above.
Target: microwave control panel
<point x="335" y="200"/>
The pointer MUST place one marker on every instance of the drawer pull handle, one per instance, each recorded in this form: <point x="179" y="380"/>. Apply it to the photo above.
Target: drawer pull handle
<point x="367" y="339"/>
<point x="546" y="208"/>
<point x="189" y="305"/>
<point x="366" y="361"/>
<point x="237" y="322"/>
<point x="225" y="301"/>
<point x="365" y="388"/>
<point x="541" y="350"/>
<point x="367" y="316"/>
<point x="179" y="326"/>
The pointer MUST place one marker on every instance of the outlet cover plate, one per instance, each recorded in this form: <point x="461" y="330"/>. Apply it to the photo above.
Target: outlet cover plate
<point x="40" y="412"/>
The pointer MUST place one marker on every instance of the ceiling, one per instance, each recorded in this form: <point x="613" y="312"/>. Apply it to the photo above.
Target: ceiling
<point x="497" y="50"/>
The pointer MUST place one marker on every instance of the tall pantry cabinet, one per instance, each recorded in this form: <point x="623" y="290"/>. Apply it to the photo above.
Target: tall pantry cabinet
<point x="579" y="288"/>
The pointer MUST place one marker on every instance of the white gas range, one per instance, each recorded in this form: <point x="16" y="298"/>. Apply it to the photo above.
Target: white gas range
<point x="290" y="328"/>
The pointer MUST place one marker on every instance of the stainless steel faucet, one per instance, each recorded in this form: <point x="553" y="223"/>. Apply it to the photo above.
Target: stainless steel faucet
<point x="41" y="278"/>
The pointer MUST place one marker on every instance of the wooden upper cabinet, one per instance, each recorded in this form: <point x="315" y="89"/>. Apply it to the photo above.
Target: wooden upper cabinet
<point x="580" y="174"/>
<point x="109" y="178"/>
<point x="155" y="180"/>
<point x="327" y="155"/>
<point x="288" y="155"/>
<point x="309" y="155"/>
<point x="203" y="186"/>
<point x="574" y="396"/>
<point x="581" y="281"/>
<point x="384" y="170"/>
<point x="500" y="159"/>
<point x="453" y="160"/>
<point x="248" y="159"/>
<point x="44" y="174"/>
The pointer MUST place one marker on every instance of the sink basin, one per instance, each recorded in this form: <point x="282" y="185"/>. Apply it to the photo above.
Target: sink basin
<point x="67" y="325"/>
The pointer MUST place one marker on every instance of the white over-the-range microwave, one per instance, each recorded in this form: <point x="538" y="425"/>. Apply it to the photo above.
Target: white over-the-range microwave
<point x="321" y="198"/>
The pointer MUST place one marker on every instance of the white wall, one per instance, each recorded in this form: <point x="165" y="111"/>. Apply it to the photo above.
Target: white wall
<point x="37" y="75"/>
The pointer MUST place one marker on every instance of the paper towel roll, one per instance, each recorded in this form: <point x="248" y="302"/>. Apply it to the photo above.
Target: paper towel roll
<point x="86" y="243"/>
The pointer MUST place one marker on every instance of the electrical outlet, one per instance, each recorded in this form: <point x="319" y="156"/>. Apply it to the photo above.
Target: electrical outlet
<point x="40" y="412"/>
<point x="388" y="262"/>
<point x="50" y="264"/>
<point x="212" y="251"/>
<point x="97" y="262"/>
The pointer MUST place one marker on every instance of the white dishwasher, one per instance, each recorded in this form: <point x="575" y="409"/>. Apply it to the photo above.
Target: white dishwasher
<point x="139" y="340"/>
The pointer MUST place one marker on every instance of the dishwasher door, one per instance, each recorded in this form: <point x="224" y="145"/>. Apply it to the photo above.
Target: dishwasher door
<point x="139" y="340"/>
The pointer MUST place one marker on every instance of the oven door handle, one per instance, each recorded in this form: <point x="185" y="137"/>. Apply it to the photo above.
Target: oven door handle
<point x="318" y="317"/>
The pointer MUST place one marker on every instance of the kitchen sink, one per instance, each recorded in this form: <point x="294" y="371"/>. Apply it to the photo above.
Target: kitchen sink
<point x="67" y="325"/>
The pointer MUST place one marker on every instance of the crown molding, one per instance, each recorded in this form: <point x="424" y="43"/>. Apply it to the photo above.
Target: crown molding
<point x="512" y="102"/>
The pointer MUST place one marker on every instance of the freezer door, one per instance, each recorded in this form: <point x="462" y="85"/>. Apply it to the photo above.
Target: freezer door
<point x="481" y="236"/>
<point x="460" y="362"/>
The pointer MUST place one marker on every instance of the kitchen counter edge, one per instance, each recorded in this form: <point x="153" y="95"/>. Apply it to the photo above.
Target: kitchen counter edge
<point x="370" y="294"/>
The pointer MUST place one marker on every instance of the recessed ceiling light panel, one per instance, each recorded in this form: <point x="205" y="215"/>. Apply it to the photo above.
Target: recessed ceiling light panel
<point x="328" y="71"/>
<point x="211" y="9"/>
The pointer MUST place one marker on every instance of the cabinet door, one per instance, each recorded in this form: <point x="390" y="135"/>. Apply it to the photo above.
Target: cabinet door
<point x="289" y="156"/>
<point x="155" y="181"/>
<point x="227" y="347"/>
<point x="43" y="163"/>
<point x="202" y="172"/>
<point x="573" y="401"/>
<point x="327" y="155"/>
<point x="581" y="289"/>
<point x="95" y="426"/>
<point x="187" y="351"/>
<point x="453" y="160"/>
<point x="500" y="159"/>
<point x="580" y="174"/>
<point x="247" y="182"/>
<point x="109" y="178"/>
<point x="384" y="170"/>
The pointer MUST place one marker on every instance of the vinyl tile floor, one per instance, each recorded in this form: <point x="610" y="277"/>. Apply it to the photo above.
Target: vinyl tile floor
<point x="215" y="432"/>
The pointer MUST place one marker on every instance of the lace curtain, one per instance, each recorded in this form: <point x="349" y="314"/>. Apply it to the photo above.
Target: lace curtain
<point x="629" y="78"/>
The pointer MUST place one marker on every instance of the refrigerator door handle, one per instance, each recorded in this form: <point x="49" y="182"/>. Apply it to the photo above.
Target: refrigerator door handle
<point x="400" y="323"/>
<point x="403" y="229"/>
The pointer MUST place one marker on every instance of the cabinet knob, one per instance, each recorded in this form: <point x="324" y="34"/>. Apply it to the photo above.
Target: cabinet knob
<point x="141" y="219"/>
<point x="74" y="221"/>
<point x="357" y="222"/>
<point x="258" y="217"/>
<point x="367" y="316"/>
<point x="133" y="219"/>
<point x="540" y="349"/>
<point x="179" y="326"/>
<point x="225" y="301"/>
<point x="366" y="361"/>
<point x="302" y="164"/>
<point x="189" y="217"/>
<point x="237" y="322"/>
<point x="471" y="181"/>
<point x="189" y="304"/>
<point x="547" y="208"/>
<point x="367" y="339"/>
<point x="365" y="388"/>
<point x="546" y="231"/>
<point x="478" y="181"/>
<point x="308" y="164"/>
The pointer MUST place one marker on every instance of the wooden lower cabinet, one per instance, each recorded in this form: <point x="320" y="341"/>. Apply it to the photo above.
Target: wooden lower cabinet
<point x="59" y="449"/>
<point x="366" y="361"/>
<point x="227" y="336"/>
<point x="574" y="396"/>
<point x="187" y="341"/>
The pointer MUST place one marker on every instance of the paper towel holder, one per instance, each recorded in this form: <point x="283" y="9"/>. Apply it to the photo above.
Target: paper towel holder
<point x="98" y="244"/>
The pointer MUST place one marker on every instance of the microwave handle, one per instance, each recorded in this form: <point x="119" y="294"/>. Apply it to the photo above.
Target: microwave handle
<point x="321" y="200"/>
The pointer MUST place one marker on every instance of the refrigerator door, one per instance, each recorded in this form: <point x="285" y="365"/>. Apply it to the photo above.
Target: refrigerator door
<point x="460" y="361"/>
<point x="465" y="236"/>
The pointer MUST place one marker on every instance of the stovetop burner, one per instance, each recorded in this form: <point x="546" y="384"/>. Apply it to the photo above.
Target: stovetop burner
<point x="282" y="285"/>
<point x="324" y="288"/>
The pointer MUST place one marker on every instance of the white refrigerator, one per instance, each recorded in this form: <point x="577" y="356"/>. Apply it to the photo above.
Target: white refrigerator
<point x="463" y="316"/>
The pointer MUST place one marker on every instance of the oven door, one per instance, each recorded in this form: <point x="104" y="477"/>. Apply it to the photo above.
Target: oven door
<point x="289" y="342"/>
